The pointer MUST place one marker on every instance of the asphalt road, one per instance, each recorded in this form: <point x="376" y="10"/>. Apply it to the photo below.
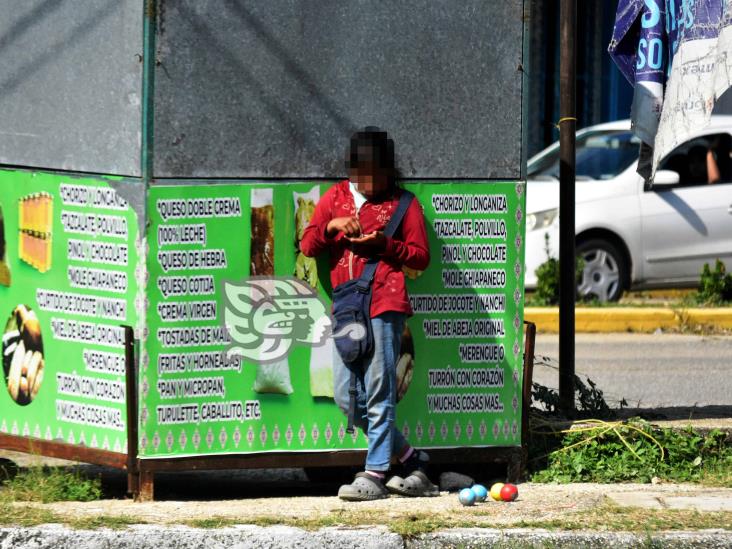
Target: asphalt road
<point x="649" y="371"/>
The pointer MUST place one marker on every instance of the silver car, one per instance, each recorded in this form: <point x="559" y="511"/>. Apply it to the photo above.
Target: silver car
<point x="630" y="236"/>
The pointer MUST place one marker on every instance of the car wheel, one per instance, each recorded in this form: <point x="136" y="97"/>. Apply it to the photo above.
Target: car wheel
<point x="604" y="270"/>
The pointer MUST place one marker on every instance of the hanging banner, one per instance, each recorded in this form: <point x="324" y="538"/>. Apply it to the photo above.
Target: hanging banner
<point x="678" y="56"/>
<point x="700" y="38"/>
<point x="68" y="256"/>
<point x="460" y="368"/>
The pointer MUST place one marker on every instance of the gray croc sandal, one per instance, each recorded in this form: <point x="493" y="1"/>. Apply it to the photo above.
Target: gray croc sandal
<point x="365" y="487"/>
<point x="415" y="485"/>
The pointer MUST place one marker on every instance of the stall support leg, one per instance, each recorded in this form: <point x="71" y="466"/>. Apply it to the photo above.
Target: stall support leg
<point x="528" y="379"/>
<point x="133" y="484"/>
<point x="146" y="485"/>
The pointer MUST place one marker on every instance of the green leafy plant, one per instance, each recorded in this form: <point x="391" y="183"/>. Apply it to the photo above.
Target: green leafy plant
<point x="589" y="398"/>
<point x="49" y="484"/>
<point x="547" y="277"/>
<point x="715" y="287"/>
<point x="636" y="451"/>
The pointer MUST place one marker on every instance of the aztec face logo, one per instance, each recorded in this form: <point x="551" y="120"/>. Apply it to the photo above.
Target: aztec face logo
<point x="265" y="316"/>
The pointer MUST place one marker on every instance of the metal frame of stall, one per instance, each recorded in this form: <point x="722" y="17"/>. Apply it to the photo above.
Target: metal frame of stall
<point x="141" y="472"/>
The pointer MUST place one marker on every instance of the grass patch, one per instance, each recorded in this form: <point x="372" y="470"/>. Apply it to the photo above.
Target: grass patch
<point x="607" y="517"/>
<point x="25" y="515"/>
<point x="338" y="518"/>
<point x="408" y="525"/>
<point x="34" y="515"/>
<point x="632" y="451"/>
<point x="50" y="484"/>
<point x="611" y="517"/>
<point x="118" y="522"/>
<point x="212" y="522"/>
<point x="15" y="514"/>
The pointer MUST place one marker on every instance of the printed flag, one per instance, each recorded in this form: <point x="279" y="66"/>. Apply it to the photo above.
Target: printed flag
<point x="678" y="56"/>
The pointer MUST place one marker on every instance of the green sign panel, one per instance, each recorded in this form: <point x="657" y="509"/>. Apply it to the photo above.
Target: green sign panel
<point x="68" y="257"/>
<point x="459" y="373"/>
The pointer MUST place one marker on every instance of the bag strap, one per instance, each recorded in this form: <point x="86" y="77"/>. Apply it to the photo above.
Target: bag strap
<point x="367" y="276"/>
<point x="351" y="402"/>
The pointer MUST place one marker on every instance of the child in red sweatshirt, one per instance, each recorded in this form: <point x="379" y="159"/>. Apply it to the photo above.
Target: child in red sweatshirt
<point x="348" y="222"/>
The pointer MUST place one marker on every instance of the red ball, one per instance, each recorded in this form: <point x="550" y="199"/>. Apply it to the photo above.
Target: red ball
<point x="509" y="492"/>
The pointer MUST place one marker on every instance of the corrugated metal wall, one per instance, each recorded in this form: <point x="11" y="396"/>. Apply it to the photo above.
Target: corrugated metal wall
<point x="263" y="89"/>
<point x="275" y="89"/>
<point x="70" y="84"/>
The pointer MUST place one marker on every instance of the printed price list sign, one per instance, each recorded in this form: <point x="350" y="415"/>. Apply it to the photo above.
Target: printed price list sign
<point x="459" y="370"/>
<point x="72" y="253"/>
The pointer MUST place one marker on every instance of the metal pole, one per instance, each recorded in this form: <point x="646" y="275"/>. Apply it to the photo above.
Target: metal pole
<point x="567" y="129"/>
<point x="148" y="89"/>
<point x="131" y="390"/>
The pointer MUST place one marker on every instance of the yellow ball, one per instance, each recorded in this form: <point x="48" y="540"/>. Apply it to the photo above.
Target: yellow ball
<point x="496" y="491"/>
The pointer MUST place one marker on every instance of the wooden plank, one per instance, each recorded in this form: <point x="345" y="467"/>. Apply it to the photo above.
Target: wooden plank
<point x="318" y="459"/>
<point x="255" y="461"/>
<point x="62" y="450"/>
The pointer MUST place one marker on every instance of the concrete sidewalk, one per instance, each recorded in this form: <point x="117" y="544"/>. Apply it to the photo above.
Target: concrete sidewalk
<point x="545" y="515"/>
<point x="536" y="503"/>
<point x="280" y="508"/>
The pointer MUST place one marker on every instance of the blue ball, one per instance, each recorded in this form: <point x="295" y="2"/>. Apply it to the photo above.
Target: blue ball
<point x="480" y="492"/>
<point x="466" y="496"/>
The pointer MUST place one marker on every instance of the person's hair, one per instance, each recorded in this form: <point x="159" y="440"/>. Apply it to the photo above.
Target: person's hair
<point x="372" y="147"/>
<point x="699" y="151"/>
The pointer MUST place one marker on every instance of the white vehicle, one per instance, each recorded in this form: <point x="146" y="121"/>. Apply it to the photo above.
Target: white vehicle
<point x="631" y="237"/>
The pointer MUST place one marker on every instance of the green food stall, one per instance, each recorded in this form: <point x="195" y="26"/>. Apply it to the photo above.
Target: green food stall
<point x="118" y="244"/>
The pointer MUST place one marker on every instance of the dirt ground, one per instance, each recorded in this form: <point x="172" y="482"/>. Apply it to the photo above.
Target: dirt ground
<point x="537" y="502"/>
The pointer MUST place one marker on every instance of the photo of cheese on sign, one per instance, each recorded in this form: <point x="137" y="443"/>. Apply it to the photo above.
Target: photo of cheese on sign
<point x="35" y="220"/>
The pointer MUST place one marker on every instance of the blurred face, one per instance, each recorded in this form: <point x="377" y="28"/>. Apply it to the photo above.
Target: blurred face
<point x="371" y="181"/>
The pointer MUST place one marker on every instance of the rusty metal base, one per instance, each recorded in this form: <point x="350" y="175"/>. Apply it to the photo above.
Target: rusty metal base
<point x="512" y="457"/>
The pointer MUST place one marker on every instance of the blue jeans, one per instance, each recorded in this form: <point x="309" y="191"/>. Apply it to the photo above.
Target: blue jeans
<point x="375" y="391"/>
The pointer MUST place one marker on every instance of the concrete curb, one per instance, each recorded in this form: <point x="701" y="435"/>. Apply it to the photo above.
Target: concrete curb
<point x="630" y="319"/>
<point x="530" y="538"/>
<point x="243" y="537"/>
<point x="55" y="536"/>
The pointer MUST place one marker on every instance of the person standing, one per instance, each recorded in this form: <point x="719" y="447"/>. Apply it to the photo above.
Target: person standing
<point x="349" y="222"/>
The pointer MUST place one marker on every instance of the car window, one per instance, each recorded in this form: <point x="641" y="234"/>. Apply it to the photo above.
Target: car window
<point x="600" y="155"/>
<point x="701" y="161"/>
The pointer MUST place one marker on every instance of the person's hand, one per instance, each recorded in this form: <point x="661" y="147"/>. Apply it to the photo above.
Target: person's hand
<point x="348" y="225"/>
<point x="375" y="241"/>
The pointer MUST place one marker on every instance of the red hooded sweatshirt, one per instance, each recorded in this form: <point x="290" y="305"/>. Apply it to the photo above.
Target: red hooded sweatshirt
<point x="408" y="247"/>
